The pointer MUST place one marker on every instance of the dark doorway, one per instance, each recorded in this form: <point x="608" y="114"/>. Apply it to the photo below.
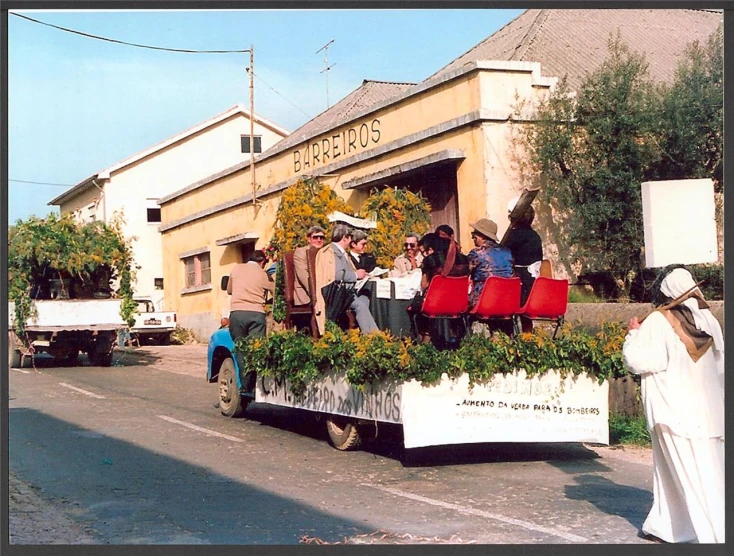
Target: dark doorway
<point x="437" y="184"/>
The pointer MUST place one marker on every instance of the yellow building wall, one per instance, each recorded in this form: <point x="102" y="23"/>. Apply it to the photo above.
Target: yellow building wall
<point x="485" y="179"/>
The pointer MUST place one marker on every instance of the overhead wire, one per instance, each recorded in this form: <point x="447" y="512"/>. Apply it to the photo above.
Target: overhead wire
<point x="181" y="50"/>
<point x="88" y="35"/>
<point x="42" y="183"/>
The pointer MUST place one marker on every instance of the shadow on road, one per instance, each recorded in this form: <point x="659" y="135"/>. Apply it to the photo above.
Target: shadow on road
<point x="130" y="495"/>
<point x="127" y="357"/>
<point x="630" y="503"/>
<point x="386" y="440"/>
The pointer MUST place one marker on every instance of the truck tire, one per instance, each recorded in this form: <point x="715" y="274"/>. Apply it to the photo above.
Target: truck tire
<point x="100" y="359"/>
<point x="71" y="359"/>
<point x="231" y="403"/>
<point x="15" y="358"/>
<point x="343" y="433"/>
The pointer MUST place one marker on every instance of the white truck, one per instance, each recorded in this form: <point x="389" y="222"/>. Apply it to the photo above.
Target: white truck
<point x="153" y="326"/>
<point x="65" y="327"/>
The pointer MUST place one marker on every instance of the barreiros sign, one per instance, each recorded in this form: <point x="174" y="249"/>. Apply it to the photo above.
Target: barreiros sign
<point x="327" y="149"/>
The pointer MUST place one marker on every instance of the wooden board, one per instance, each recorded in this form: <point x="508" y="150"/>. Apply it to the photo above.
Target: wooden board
<point x="526" y="199"/>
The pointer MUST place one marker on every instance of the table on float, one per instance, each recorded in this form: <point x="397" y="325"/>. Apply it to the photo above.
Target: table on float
<point x="389" y="301"/>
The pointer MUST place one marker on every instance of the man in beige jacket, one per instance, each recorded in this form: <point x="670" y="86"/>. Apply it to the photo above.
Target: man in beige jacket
<point x="248" y="285"/>
<point x="333" y="263"/>
<point x="315" y="238"/>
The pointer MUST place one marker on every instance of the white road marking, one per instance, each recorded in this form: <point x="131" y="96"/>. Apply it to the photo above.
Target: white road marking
<point x="20" y="371"/>
<point x="85" y="392"/>
<point x="466" y="510"/>
<point x="200" y="429"/>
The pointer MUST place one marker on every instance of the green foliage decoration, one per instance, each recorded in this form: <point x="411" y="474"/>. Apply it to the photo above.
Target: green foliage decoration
<point x="398" y="212"/>
<point x="58" y="247"/>
<point x="376" y="357"/>
<point x="279" y="295"/>
<point x="304" y="204"/>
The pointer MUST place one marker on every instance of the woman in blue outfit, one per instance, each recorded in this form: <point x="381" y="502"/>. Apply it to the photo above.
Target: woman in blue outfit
<point x="488" y="258"/>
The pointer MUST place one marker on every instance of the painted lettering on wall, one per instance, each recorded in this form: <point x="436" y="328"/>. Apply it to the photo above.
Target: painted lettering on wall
<point x="329" y="149"/>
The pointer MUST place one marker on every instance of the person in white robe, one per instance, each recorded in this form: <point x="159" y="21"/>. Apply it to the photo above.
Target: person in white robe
<point x="678" y="352"/>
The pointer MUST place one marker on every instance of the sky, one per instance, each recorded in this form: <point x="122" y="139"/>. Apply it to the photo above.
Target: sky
<point x="78" y="105"/>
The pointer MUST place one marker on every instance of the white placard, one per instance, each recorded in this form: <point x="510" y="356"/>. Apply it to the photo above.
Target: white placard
<point x="679" y="222"/>
<point x="407" y="286"/>
<point x="383" y="289"/>
<point x="332" y="394"/>
<point x="509" y="408"/>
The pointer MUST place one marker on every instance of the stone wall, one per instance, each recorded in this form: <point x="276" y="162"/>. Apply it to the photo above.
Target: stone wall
<point x="623" y="392"/>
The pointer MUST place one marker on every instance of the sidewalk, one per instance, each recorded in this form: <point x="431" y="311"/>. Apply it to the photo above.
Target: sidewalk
<point x="34" y="521"/>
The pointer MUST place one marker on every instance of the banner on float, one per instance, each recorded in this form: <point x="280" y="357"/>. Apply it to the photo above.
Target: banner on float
<point x="332" y="394"/>
<point x="508" y="408"/>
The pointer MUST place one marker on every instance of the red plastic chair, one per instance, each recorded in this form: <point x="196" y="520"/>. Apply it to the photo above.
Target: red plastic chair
<point x="548" y="300"/>
<point x="500" y="299"/>
<point x="447" y="297"/>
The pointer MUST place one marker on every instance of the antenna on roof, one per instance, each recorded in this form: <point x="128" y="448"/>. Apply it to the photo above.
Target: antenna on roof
<point x="326" y="69"/>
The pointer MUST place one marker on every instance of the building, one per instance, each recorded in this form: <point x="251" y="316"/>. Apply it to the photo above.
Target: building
<point x="134" y="185"/>
<point x="448" y="137"/>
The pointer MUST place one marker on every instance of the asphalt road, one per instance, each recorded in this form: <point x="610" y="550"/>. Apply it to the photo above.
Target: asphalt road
<point x="137" y="454"/>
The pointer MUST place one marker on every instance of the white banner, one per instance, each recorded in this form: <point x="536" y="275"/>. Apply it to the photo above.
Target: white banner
<point x="332" y="394"/>
<point x="509" y="408"/>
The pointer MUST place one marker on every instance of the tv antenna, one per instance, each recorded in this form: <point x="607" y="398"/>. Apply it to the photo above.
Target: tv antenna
<point x="327" y="67"/>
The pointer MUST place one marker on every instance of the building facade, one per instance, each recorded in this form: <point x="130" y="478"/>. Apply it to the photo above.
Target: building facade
<point x="133" y="186"/>
<point x="449" y="137"/>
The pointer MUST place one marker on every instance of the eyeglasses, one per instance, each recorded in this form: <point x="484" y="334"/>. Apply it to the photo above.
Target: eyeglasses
<point x="320" y="238"/>
<point x="410" y="244"/>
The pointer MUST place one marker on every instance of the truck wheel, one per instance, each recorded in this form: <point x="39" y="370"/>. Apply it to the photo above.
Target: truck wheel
<point x="15" y="358"/>
<point x="231" y="403"/>
<point x="343" y="433"/>
<point x="71" y="359"/>
<point x="103" y="359"/>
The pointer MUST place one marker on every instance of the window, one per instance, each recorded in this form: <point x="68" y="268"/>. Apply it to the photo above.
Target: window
<point x="198" y="270"/>
<point x="154" y="215"/>
<point x="245" y="139"/>
<point x="158" y="283"/>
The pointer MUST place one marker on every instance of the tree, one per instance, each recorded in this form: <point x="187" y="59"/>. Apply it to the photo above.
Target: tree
<point x="593" y="150"/>
<point x="692" y="115"/>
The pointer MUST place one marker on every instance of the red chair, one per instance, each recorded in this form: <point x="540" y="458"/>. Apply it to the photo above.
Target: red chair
<point x="447" y="297"/>
<point x="548" y="300"/>
<point x="500" y="300"/>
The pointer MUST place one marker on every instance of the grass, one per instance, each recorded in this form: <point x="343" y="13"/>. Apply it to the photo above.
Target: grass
<point x="628" y="430"/>
<point x="578" y="295"/>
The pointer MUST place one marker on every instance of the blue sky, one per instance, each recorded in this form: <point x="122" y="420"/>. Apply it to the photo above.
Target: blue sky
<point x="78" y="105"/>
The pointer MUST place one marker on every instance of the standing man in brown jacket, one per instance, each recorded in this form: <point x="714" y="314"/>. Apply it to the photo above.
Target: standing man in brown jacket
<point x="248" y="285"/>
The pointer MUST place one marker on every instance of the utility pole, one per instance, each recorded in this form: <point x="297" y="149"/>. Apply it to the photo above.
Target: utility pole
<point x="251" y="71"/>
<point x="325" y="48"/>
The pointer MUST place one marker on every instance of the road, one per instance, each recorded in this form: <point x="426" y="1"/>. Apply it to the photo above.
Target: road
<point x="137" y="453"/>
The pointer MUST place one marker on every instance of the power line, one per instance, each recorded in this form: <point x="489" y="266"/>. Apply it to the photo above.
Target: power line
<point x="183" y="50"/>
<point x="284" y="98"/>
<point x="43" y="183"/>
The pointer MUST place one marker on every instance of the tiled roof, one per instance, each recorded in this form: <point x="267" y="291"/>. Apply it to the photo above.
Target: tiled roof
<point x="364" y="96"/>
<point x="575" y="42"/>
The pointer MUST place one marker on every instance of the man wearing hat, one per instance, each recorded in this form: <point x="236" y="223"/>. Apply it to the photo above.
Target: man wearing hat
<point x="488" y="258"/>
<point x="315" y="237"/>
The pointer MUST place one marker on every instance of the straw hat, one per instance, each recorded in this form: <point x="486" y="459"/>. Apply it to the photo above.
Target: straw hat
<point x="486" y="227"/>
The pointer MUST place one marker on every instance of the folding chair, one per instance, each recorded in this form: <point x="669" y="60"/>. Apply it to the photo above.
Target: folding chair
<point x="548" y="300"/>
<point x="500" y="300"/>
<point x="292" y="310"/>
<point x="447" y="298"/>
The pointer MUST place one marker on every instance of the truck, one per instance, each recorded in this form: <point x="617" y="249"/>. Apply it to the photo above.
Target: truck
<point x="153" y="326"/>
<point x="65" y="327"/>
<point x="511" y="407"/>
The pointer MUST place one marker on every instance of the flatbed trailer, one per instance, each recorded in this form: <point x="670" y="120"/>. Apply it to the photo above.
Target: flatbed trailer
<point x="507" y="408"/>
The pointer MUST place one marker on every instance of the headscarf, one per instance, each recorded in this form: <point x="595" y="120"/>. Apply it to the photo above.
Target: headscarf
<point x="690" y="317"/>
